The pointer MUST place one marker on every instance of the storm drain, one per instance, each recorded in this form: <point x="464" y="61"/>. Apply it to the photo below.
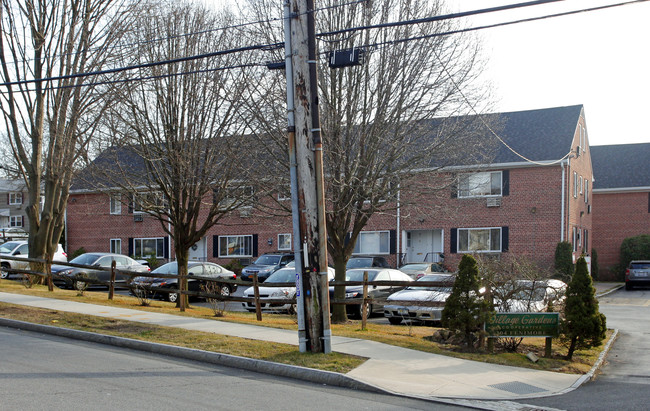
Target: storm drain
<point x="517" y="387"/>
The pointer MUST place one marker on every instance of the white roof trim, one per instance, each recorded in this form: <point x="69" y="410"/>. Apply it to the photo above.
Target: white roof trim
<point x="620" y="190"/>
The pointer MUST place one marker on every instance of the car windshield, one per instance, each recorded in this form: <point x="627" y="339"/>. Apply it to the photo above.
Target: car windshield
<point x="282" y="276"/>
<point x="85" y="259"/>
<point x="435" y="278"/>
<point x="357" y="275"/>
<point x="268" y="260"/>
<point x="169" y="268"/>
<point x="359" y="263"/>
<point x="9" y="246"/>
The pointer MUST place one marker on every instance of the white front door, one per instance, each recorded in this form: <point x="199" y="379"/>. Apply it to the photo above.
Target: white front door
<point x="198" y="251"/>
<point x="423" y="245"/>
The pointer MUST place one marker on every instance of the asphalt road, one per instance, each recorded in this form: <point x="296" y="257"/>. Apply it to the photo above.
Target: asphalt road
<point x="44" y="372"/>
<point x="624" y="383"/>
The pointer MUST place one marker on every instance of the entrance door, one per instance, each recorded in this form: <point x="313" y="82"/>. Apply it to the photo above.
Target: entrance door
<point x="423" y="245"/>
<point x="198" y="251"/>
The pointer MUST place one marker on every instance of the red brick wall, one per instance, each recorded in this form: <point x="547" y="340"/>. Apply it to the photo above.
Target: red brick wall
<point x="619" y="216"/>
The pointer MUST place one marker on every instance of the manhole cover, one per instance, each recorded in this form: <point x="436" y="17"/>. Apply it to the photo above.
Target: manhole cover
<point x="517" y="387"/>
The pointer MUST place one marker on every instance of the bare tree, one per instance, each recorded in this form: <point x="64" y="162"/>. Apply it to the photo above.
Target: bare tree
<point x="381" y="120"/>
<point x="179" y="153"/>
<point x="49" y="106"/>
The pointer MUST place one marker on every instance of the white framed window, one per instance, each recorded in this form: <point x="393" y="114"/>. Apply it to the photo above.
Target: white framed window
<point x="575" y="184"/>
<point x="284" y="194"/>
<point x="15" y="198"/>
<point x="372" y="242"/>
<point x="244" y="196"/>
<point x="480" y="184"/>
<point x="586" y="190"/>
<point x="147" y="247"/>
<point x="284" y="241"/>
<point x="582" y="184"/>
<point x="16" y="221"/>
<point x="235" y="246"/>
<point x="116" y="204"/>
<point x="477" y="240"/>
<point x="140" y="202"/>
<point x="577" y="241"/>
<point x="116" y="246"/>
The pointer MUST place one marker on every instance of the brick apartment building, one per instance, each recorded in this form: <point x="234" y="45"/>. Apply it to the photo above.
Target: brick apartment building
<point x="621" y="200"/>
<point x="536" y="192"/>
<point x="13" y="196"/>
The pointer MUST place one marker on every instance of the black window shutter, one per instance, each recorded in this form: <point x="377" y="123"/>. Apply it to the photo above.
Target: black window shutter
<point x="453" y="241"/>
<point x="393" y="241"/>
<point x="215" y="246"/>
<point x="505" y="190"/>
<point x="130" y="205"/>
<point x="254" y="245"/>
<point x="166" y="247"/>
<point x="348" y="236"/>
<point x="505" y="239"/>
<point x="130" y="247"/>
<point x="454" y="189"/>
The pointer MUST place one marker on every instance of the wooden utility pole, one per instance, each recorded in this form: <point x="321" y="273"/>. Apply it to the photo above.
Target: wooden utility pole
<point x="305" y="145"/>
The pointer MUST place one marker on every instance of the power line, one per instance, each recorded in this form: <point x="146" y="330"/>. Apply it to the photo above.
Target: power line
<point x="439" y="18"/>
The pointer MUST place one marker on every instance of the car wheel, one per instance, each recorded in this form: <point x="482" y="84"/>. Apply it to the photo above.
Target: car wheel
<point x="395" y="320"/>
<point x="3" y="271"/>
<point x="224" y="290"/>
<point x="172" y="297"/>
<point x="628" y="286"/>
<point x="293" y="309"/>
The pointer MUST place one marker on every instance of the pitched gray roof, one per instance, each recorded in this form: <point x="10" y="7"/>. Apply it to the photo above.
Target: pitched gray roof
<point x="621" y="166"/>
<point x="544" y="134"/>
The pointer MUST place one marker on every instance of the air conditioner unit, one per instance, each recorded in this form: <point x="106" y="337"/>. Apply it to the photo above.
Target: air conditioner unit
<point x="494" y="201"/>
<point x="138" y="218"/>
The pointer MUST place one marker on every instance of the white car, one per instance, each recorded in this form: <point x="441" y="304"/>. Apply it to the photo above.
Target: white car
<point x="418" y="303"/>
<point x="21" y="249"/>
<point x="283" y="275"/>
<point x="529" y="296"/>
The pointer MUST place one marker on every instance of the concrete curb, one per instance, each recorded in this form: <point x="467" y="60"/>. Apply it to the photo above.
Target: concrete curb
<point x="604" y="293"/>
<point x="266" y="367"/>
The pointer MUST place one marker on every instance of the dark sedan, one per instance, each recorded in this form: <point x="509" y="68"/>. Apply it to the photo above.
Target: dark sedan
<point x="198" y="269"/>
<point x="70" y="277"/>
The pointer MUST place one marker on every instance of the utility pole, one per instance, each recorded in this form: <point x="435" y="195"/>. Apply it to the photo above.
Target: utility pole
<point x="307" y="183"/>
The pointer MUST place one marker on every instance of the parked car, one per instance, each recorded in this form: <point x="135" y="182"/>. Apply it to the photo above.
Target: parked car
<point x="266" y="265"/>
<point x="199" y="269"/>
<point x="417" y="270"/>
<point x="420" y="303"/>
<point x="283" y="275"/>
<point x="63" y="275"/>
<point x="376" y="292"/>
<point x="529" y="296"/>
<point x="21" y="249"/>
<point x="367" y="262"/>
<point x="637" y="273"/>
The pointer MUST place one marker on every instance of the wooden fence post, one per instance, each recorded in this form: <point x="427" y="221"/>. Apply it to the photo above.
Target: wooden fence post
<point x="111" y="284"/>
<point x="256" y="289"/>
<point x="364" y="307"/>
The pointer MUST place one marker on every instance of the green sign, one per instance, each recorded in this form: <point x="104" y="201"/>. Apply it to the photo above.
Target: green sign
<point x="523" y="325"/>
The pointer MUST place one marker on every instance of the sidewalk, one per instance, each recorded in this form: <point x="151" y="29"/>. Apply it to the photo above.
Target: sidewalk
<point x="391" y="369"/>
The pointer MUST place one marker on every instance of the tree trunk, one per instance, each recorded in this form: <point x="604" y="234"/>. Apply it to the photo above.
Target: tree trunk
<point x="339" y="313"/>
<point x="182" y="257"/>
<point x="572" y="348"/>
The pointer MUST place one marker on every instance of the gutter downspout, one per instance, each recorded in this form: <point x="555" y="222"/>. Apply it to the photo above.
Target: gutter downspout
<point x="562" y="212"/>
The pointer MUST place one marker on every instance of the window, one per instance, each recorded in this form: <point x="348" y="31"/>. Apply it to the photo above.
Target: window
<point x="585" y="242"/>
<point x="480" y="184"/>
<point x="244" y="196"/>
<point x="582" y="184"/>
<point x="586" y="191"/>
<point x="284" y="194"/>
<point x="116" y="246"/>
<point x="147" y="247"/>
<point x="147" y="202"/>
<point x="15" y="198"/>
<point x="479" y="239"/>
<point x="373" y="242"/>
<point x="575" y="184"/>
<point x="116" y="204"/>
<point x="16" y="221"/>
<point x="236" y="246"/>
<point x="284" y="241"/>
<point x="577" y="242"/>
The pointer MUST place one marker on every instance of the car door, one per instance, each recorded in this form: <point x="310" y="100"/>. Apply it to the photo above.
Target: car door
<point x="101" y="275"/>
<point x="23" y="252"/>
<point x="122" y="264"/>
<point x="195" y="270"/>
<point x="380" y="291"/>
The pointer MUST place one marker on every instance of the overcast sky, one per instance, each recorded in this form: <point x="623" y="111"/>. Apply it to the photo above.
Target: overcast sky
<point x="600" y="59"/>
